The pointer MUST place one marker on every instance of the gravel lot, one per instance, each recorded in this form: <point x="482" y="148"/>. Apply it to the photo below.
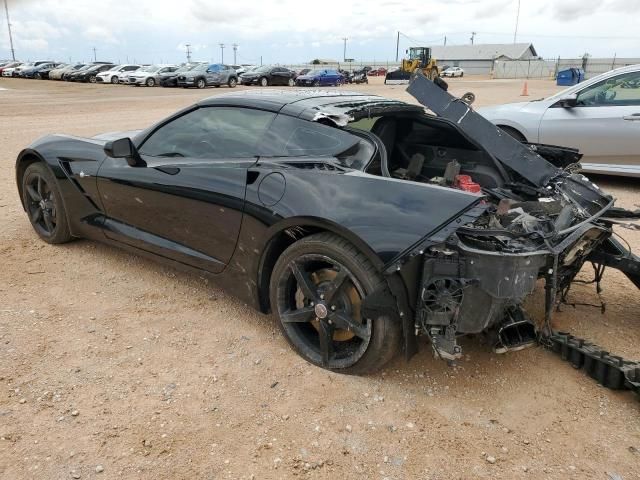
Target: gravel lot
<point x="112" y="366"/>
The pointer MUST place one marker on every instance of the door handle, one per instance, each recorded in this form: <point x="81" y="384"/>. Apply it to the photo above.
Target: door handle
<point x="634" y="117"/>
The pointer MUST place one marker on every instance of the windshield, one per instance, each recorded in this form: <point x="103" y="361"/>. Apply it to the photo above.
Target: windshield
<point x="264" y="68"/>
<point x="313" y="73"/>
<point x="186" y="68"/>
<point x="200" y="67"/>
<point x="149" y="68"/>
<point x="93" y="67"/>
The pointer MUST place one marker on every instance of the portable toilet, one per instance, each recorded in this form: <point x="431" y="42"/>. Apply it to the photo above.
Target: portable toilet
<point x="570" y="76"/>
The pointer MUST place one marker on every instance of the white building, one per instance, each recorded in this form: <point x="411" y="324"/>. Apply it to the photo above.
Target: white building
<point x="478" y="59"/>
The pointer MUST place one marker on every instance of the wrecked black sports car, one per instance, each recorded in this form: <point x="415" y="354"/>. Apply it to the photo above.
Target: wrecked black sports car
<point x="360" y="222"/>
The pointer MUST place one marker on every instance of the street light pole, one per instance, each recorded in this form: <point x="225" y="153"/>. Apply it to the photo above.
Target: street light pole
<point x="94" y="54"/>
<point x="344" y="51"/>
<point x="221" y="52"/>
<point x="235" y="50"/>
<point x="187" y="45"/>
<point x="515" y="32"/>
<point x="6" y="11"/>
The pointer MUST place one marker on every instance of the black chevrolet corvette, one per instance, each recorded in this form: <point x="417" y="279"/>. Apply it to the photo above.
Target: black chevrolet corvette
<point x="360" y="222"/>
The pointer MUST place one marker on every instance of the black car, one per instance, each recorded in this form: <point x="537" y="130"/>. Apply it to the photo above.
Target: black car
<point x="269" y="75"/>
<point x="89" y="74"/>
<point x="360" y="222"/>
<point x="170" y="79"/>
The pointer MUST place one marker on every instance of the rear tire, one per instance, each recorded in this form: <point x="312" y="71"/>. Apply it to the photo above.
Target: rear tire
<point x="92" y="79"/>
<point x="316" y="290"/>
<point x="291" y="82"/>
<point x="232" y="82"/>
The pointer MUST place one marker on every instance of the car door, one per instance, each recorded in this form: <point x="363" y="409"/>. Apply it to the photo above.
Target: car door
<point x="604" y="125"/>
<point x="187" y="203"/>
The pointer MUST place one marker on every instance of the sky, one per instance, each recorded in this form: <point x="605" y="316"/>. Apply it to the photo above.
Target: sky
<point x="295" y="31"/>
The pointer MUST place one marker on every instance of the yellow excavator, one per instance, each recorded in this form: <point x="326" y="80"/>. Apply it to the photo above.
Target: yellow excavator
<point x="419" y="59"/>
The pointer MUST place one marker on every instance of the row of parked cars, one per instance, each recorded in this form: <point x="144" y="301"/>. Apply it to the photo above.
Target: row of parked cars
<point x="198" y="74"/>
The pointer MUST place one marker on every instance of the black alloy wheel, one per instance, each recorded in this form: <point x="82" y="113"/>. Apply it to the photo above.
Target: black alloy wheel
<point x="316" y="83"/>
<point x="43" y="204"/>
<point x="232" y="82"/>
<point x="92" y="79"/>
<point x="317" y="288"/>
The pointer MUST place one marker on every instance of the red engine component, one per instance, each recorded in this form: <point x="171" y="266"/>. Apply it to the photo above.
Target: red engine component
<point x="466" y="183"/>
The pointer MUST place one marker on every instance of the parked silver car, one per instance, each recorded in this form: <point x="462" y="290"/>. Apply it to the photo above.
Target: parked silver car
<point x="149" y="75"/>
<point x="600" y="117"/>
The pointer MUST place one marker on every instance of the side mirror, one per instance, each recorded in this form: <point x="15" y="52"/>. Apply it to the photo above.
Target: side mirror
<point x="569" y="101"/>
<point x="124" y="148"/>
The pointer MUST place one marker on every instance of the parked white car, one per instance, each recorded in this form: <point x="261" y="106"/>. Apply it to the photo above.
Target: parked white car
<point x="149" y="75"/>
<point x="600" y="117"/>
<point x="453" y="72"/>
<point x="116" y="73"/>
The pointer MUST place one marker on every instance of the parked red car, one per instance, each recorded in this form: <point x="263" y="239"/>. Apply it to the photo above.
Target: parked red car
<point x="378" y="72"/>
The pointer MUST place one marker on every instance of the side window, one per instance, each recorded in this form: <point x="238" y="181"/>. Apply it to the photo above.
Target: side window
<point x="293" y="137"/>
<point x="621" y="90"/>
<point x="210" y="132"/>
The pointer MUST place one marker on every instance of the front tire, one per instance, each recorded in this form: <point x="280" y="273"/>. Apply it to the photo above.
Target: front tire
<point x="92" y="79"/>
<point x="114" y="80"/>
<point x="201" y="83"/>
<point x="264" y="82"/>
<point x="232" y="82"/>
<point x="43" y="204"/>
<point x="316" y="291"/>
<point x="151" y="82"/>
<point x="291" y="82"/>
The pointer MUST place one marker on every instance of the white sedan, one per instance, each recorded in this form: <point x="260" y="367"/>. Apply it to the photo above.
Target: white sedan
<point x="116" y="73"/>
<point x="600" y="117"/>
<point x="453" y="72"/>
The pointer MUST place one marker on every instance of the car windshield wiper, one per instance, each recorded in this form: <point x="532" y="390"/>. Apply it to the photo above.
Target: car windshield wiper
<point x="171" y="154"/>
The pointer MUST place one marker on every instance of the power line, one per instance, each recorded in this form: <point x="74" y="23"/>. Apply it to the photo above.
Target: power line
<point x="6" y="11"/>
<point x="515" y="32"/>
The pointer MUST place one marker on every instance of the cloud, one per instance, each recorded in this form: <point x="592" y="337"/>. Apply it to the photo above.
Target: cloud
<point x="570" y="10"/>
<point x="98" y="33"/>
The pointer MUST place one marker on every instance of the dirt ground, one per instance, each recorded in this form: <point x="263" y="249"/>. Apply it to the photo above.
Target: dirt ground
<point x="116" y="367"/>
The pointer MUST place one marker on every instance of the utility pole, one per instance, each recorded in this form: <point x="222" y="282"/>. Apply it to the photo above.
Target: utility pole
<point x="473" y="35"/>
<point x="344" y="50"/>
<point x="260" y="60"/>
<point x="221" y="52"/>
<point x="6" y="11"/>
<point x="515" y="32"/>
<point x="188" y="47"/>
<point x="445" y="40"/>
<point x="397" y="45"/>
<point x="94" y="54"/>
<point x="235" y="51"/>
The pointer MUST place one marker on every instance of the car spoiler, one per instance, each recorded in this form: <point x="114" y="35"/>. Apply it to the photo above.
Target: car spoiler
<point x="502" y="146"/>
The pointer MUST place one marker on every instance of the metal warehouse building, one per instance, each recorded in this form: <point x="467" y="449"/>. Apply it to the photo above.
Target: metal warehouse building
<point x="478" y="59"/>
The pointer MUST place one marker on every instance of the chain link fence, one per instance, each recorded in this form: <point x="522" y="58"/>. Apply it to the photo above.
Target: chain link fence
<point x="549" y="68"/>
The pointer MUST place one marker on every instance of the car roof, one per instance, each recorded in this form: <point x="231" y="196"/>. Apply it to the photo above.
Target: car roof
<point x="311" y="104"/>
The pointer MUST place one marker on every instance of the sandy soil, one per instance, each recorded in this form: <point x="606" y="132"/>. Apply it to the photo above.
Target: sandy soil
<point x="115" y="367"/>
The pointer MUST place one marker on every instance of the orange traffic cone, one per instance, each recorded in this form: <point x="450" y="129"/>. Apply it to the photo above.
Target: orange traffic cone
<point x="525" y="90"/>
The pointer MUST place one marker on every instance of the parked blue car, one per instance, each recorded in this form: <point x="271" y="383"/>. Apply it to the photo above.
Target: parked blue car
<point x="318" y="78"/>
